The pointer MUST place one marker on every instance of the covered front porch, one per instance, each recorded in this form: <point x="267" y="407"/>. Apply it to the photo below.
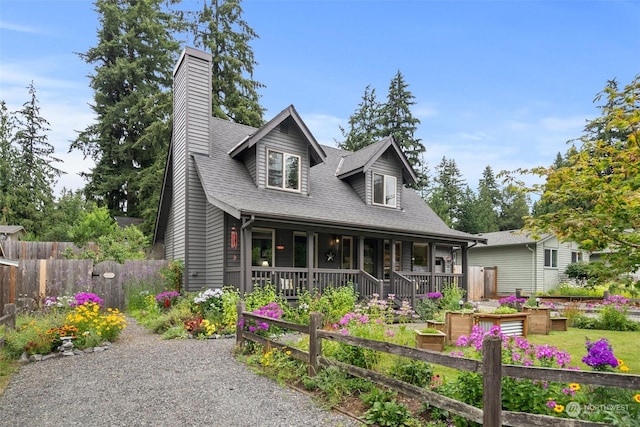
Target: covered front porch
<point x="292" y="258"/>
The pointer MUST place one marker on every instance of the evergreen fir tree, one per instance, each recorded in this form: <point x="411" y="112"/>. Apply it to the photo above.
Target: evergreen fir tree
<point x="364" y="123"/>
<point x="220" y="29"/>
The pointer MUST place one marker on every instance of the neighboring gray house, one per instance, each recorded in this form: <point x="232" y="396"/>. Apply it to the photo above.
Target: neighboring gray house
<point x="533" y="265"/>
<point x="244" y="206"/>
<point x="11" y="232"/>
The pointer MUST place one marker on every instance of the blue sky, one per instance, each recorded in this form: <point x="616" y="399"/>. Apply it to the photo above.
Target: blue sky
<point x="499" y="83"/>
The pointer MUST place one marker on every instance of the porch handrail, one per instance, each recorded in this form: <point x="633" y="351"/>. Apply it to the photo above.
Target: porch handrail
<point x="369" y="285"/>
<point x="403" y="287"/>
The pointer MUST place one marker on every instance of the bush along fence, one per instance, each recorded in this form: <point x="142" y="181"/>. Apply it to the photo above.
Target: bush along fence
<point x="490" y="367"/>
<point x="36" y="278"/>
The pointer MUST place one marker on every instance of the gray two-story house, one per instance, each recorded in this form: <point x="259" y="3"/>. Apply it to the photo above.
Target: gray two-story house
<point x="244" y="206"/>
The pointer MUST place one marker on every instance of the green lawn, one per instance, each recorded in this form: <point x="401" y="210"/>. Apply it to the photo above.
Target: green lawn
<point x="626" y="345"/>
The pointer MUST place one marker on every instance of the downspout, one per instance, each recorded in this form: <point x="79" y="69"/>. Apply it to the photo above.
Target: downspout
<point x="533" y="270"/>
<point x="244" y="268"/>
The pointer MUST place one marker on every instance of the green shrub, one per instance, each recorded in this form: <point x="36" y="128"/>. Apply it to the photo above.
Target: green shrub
<point x="391" y="414"/>
<point x="378" y="395"/>
<point x="416" y="372"/>
<point x="451" y="297"/>
<point x="334" y="303"/>
<point x="426" y="308"/>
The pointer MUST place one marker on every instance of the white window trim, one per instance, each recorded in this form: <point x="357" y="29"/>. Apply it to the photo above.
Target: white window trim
<point x="551" y="251"/>
<point x="284" y="162"/>
<point x="384" y="187"/>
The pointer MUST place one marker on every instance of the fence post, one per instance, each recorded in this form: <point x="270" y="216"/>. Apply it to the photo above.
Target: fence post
<point x="315" y="343"/>
<point x="381" y="288"/>
<point x="240" y="307"/>
<point x="492" y="381"/>
<point x="10" y="309"/>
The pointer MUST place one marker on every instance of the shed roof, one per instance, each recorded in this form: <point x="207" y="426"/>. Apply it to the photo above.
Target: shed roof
<point x="10" y="229"/>
<point x="510" y="237"/>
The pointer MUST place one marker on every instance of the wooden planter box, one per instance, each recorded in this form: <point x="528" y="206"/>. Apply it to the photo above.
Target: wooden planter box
<point x="433" y="342"/>
<point x="515" y="324"/>
<point x="436" y="325"/>
<point x="457" y="325"/>
<point x="559" y="323"/>
<point x="539" y="320"/>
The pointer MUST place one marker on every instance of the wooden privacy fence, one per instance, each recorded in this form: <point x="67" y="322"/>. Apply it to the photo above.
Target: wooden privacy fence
<point x="490" y="367"/>
<point x="36" y="278"/>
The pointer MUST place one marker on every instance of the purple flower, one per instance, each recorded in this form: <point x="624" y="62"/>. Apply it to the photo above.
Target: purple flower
<point x="600" y="355"/>
<point x="434" y="295"/>
<point x="82" y="298"/>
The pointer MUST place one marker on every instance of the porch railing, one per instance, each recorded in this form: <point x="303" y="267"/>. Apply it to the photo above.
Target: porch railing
<point x="288" y="281"/>
<point x="410" y="285"/>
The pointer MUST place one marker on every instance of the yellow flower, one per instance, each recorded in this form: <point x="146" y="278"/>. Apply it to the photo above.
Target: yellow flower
<point x="558" y="408"/>
<point x="624" y="368"/>
<point x="637" y="398"/>
<point x="574" y="386"/>
<point x="620" y="362"/>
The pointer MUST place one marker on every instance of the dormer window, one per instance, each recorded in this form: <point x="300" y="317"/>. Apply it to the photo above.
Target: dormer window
<point x="283" y="171"/>
<point x="384" y="190"/>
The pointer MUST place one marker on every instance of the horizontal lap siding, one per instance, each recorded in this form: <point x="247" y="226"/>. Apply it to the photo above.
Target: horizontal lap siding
<point x="514" y="266"/>
<point x="192" y="114"/>
<point x="215" y="247"/>
<point x="177" y="222"/>
<point x="388" y="165"/>
<point x="289" y="143"/>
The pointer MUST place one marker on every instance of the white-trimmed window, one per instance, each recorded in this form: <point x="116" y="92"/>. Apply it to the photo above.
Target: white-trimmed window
<point x="551" y="258"/>
<point x="283" y="170"/>
<point x="576" y="256"/>
<point x="384" y="190"/>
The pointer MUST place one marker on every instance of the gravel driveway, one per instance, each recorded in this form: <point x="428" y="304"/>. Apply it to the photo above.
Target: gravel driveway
<point x="145" y="381"/>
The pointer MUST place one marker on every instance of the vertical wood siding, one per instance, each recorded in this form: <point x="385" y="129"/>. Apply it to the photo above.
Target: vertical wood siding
<point x="37" y="278"/>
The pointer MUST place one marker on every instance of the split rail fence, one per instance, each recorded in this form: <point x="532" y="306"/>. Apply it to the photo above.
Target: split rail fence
<point x="490" y="367"/>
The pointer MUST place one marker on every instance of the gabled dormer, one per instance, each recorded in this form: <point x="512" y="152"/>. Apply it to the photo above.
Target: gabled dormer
<point x="279" y="155"/>
<point x="377" y="173"/>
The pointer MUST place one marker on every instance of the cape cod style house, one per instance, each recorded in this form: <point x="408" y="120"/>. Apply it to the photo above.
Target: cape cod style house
<point x="243" y="206"/>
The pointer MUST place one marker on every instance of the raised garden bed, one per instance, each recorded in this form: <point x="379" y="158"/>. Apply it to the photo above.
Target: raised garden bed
<point x="510" y="324"/>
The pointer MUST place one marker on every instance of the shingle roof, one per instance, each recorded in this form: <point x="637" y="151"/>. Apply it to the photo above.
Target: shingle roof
<point x="331" y="201"/>
<point x="10" y="229"/>
<point x="509" y="237"/>
<point x="361" y="160"/>
<point x="288" y="113"/>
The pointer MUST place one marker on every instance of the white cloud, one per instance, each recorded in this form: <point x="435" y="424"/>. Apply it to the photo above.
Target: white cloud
<point x="63" y="102"/>
<point x="324" y="127"/>
<point x="20" y="28"/>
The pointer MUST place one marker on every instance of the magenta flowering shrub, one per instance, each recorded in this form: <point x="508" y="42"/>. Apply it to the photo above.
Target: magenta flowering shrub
<point x="511" y="301"/>
<point x="82" y="298"/>
<point x="272" y="310"/>
<point x="521" y="395"/>
<point x="515" y="350"/>
<point x="600" y="355"/>
<point x="167" y="299"/>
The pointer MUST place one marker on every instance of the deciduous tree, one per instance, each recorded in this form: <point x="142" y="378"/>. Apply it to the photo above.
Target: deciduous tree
<point x="596" y="195"/>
